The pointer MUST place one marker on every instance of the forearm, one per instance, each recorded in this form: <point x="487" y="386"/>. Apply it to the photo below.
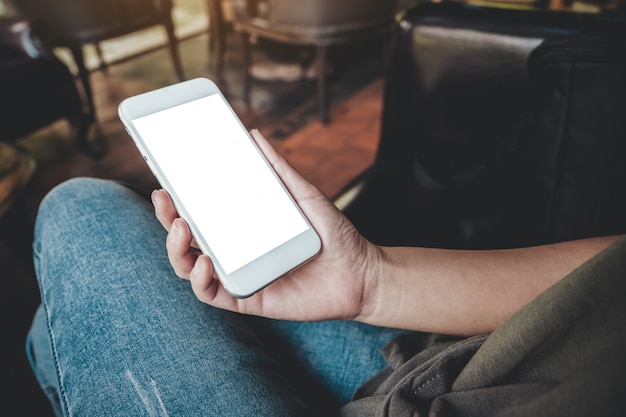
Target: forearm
<point x="465" y="292"/>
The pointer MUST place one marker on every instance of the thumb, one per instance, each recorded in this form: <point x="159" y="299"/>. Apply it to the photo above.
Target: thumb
<point x="297" y="185"/>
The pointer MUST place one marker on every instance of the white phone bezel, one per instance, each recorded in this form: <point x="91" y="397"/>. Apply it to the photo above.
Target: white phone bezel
<point x="259" y="273"/>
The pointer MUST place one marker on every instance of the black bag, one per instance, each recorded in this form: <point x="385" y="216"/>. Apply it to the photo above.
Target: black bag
<point x="571" y="154"/>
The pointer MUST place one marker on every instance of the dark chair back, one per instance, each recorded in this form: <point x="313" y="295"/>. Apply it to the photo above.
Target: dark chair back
<point x="93" y="21"/>
<point x="317" y="23"/>
<point x="325" y="16"/>
<point x="75" y="23"/>
<point x="37" y="88"/>
<point x="457" y="93"/>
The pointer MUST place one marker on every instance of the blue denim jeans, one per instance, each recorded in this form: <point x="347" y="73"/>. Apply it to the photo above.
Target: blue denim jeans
<point x="118" y="333"/>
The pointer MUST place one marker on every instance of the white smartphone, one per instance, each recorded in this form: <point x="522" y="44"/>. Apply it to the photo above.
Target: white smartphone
<point x="239" y="212"/>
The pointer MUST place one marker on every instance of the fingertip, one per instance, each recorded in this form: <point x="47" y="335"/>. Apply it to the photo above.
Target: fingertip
<point x="202" y="274"/>
<point x="258" y="137"/>
<point x="205" y="264"/>
<point x="157" y="198"/>
<point x="176" y="237"/>
<point x="154" y="197"/>
<point x="178" y="226"/>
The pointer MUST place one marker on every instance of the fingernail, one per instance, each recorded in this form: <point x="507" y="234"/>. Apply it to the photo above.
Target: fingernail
<point x="176" y="226"/>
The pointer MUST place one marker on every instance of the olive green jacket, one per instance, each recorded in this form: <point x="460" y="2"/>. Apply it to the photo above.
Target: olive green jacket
<point x="564" y="354"/>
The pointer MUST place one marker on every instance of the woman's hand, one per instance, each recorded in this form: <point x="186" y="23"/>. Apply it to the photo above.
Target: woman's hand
<point x="432" y="290"/>
<point x="334" y="285"/>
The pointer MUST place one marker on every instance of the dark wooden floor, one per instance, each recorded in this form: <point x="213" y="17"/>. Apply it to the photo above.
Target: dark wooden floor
<point x="285" y="112"/>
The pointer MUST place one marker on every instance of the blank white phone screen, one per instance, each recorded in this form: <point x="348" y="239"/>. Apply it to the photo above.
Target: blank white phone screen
<point x="227" y="189"/>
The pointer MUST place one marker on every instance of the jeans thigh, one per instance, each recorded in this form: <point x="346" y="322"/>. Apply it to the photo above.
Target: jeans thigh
<point x="327" y="361"/>
<point x="124" y="335"/>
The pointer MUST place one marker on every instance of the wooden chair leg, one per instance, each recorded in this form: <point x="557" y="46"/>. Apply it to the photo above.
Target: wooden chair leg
<point x="81" y="125"/>
<point x="322" y="88"/>
<point x="103" y="64"/>
<point x="83" y="74"/>
<point x="247" y="63"/>
<point x="174" y="52"/>
<point x="217" y="34"/>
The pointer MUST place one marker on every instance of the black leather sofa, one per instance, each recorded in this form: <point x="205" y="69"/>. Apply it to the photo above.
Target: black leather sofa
<point x="37" y="88"/>
<point x="448" y="171"/>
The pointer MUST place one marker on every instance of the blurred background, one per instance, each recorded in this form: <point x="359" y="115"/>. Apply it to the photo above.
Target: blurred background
<point x="40" y="129"/>
<point x="309" y="75"/>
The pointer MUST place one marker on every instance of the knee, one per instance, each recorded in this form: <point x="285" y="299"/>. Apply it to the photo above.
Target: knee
<point x="77" y="198"/>
<point x="64" y="203"/>
<point x="87" y="199"/>
<point x="80" y="195"/>
<point x="71" y="190"/>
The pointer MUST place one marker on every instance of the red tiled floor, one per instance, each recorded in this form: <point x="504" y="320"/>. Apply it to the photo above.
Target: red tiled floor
<point x="331" y="155"/>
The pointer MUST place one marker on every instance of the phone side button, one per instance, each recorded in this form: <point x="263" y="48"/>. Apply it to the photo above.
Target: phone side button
<point x="148" y="162"/>
<point x="149" y="165"/>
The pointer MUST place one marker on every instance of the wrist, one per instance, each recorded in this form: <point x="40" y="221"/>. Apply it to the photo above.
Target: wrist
<point x="372" y="283"/>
